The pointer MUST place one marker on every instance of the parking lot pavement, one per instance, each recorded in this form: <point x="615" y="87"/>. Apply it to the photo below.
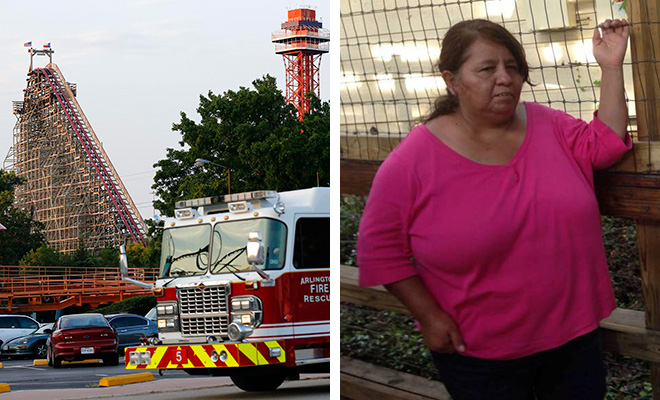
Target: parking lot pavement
<point x="22" y="375"/>
<point x="80" y="381"/>
<point x="308" y="388"/>
<point x="161" y="385"/>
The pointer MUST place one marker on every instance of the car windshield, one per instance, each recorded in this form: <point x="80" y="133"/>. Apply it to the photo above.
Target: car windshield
<point x="43" y="328"/>
<point x="81" y="321"/>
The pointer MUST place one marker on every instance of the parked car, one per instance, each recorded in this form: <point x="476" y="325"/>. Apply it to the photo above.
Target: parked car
<point x="13" y="326"/>
<point x="32" y="345"/>
<point x="131" y="328"/>
<point x="80" y="337"/>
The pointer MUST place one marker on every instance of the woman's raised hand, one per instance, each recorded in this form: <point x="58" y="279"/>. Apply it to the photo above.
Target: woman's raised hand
<point x="610" y="43"/>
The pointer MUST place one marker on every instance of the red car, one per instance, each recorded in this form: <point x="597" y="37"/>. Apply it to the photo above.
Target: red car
<point x="82" y="336"/>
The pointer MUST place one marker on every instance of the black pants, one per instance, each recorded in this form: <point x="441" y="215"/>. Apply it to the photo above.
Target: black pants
<point x="574" y="371"/>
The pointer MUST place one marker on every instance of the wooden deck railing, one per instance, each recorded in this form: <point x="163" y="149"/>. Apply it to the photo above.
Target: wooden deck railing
<point x="53" y="288"/>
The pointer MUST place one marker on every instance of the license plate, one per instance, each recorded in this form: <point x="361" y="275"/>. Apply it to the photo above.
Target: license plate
<point x="86" y="350"/>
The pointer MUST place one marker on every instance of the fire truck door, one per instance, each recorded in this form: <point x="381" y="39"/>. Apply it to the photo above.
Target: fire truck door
<point x="311" y="286"/>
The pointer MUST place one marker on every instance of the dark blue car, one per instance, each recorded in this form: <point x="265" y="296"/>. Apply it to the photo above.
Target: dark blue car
<point x="130" y="328"/>
<point x="32" y="345"/>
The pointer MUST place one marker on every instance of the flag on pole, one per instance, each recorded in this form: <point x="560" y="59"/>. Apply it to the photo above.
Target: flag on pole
<point x="27" y="44"/>
<point x="47" y="46"/>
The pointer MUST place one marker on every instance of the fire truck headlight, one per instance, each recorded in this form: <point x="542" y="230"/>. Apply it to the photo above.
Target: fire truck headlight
<point x="238" y="331"/>
<point x="246" y="319"/>
<point x="167" y="324"/>
<point x="166" y="309"/>
<point x="248" y="310"/>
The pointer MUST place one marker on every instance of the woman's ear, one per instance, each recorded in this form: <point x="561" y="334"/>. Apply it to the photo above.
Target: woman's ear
<point x="450" y="80"/>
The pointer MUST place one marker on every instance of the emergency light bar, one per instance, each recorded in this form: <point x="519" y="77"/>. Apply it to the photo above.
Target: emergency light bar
<point x="228" y="198"/>
<point x="204" y="201"/>
<point x="247" y="196"/>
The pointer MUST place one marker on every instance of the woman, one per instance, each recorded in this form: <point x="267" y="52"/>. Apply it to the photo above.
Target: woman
<point x="484" y="223"/>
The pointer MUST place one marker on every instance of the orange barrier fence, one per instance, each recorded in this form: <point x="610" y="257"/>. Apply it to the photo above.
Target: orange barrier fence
<point x="55" y="288"/>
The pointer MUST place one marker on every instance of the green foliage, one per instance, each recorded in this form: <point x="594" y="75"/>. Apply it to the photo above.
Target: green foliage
<point x="255" y="133"/>
<point x="133" y="305"/>
<point x="44" y="256"/>
<point x="620" y="237"/>
<point x="350" y="214"/>
<point x="623" y="4"/>
<point x="146" y="257"/>
<point x="23" y="234"/>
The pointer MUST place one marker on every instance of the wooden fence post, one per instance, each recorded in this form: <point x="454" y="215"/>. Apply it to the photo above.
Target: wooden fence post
<point x="648" y="239"/>
<point x="645" y="51"/>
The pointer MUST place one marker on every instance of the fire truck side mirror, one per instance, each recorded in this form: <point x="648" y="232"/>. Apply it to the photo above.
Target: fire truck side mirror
<point x="123" y="261"/>
<point x="255" y="249"/>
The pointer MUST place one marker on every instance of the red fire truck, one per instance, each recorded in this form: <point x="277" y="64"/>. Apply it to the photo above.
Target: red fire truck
<point x="243" y="289"/>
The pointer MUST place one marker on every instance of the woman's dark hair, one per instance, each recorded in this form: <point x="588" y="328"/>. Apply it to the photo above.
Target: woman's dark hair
<point x="455" y="45"/>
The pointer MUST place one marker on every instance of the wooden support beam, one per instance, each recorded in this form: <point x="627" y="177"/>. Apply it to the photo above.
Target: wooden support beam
<point x="624" y="332"/>
<point x="355" y="176"/>
<point x="361" y="380"/>
<point x="648" y="241"/>
<point x="629" y="195"/>
<point x="644" y="51"/>
<point x="645" y="48"/>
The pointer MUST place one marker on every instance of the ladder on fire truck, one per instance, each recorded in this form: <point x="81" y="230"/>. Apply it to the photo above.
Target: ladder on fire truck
<point x="99" y="160"/>
<point x="27" y="289"/>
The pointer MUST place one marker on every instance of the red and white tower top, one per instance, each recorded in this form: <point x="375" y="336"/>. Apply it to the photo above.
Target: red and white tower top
<point x="301" y="41"/>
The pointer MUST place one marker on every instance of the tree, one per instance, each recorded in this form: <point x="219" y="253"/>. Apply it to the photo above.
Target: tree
<point x="145" y="257"/>
<point x="23" y="233"/>
<point x="256" y="134"/>
<point x="44" y="256"/>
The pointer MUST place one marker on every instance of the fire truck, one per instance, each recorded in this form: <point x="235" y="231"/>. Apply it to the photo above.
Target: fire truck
<point x="243" y="289"/>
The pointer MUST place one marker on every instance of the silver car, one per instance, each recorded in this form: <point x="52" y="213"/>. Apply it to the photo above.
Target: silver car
<point x="14" y="325"/>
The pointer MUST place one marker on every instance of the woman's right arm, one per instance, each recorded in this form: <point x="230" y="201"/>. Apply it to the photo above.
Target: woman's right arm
<point x="384" y="253"/>
<point x="438" y="329"/>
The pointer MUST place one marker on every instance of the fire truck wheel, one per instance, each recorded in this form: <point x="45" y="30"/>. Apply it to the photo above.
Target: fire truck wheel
<point x="258" y="383"/>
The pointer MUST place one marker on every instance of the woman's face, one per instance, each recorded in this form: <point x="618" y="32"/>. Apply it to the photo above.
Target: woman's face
<point x="488" y="83"/>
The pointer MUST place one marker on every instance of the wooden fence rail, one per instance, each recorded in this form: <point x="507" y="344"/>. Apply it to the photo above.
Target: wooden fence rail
<point x="624" y="332"/>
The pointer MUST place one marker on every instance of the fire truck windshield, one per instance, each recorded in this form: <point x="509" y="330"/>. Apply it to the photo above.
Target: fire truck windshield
<point x="230" y="238"/>
<point x="185" y="250"/>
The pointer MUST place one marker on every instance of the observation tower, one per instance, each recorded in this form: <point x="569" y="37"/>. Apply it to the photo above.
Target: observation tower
<point x="301" y="41"/>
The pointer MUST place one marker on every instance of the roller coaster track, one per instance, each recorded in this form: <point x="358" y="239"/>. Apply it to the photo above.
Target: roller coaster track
<point x="27" y="289"/>
<point x="117" y="193"/>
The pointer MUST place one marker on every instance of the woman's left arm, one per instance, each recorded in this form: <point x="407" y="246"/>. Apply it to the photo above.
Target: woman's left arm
<point x="609" y="48"/>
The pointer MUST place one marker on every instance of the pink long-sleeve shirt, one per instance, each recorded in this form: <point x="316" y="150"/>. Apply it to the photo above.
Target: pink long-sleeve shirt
<point x="513" y="253"/>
